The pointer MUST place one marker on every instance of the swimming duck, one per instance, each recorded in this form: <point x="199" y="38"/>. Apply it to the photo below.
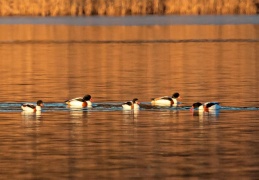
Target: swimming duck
<point x="131" y="105"/>
<point x="31" y="107"/>
<point x="206" y="107"/>
<point x="166" y="100"/>
<point x="80" y="101"/>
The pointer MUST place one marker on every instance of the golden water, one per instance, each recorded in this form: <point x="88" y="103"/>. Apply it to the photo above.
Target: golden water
<point x="115" y="64"/>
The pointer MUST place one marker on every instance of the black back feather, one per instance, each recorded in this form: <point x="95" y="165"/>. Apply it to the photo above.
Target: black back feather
<point x="167" y="98"/>
<point x="29" y="105"/>
<point x="196" y="105"/>
<point x="128" y="103"/>
<point x="80" y="99"/>
<point x="211" y="104"/>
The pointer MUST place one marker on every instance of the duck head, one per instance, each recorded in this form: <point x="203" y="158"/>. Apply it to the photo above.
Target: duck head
<point x="195" y="106"/>
<point x="135" y="101"/>
<point x="176" y="95"/>
<point x="87" y="97"/>
<point x="40" y="103"/>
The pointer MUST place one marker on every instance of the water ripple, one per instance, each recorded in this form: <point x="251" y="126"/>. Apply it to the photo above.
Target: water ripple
<point x="127" y="41"/>
<point x="145" y="106"/>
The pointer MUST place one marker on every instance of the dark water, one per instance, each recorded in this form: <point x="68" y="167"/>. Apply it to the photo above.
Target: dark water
<point x="115" y="64"/>
<point x="135" y="20"/>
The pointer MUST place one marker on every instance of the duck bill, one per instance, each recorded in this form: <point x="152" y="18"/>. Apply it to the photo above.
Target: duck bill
<point x="192" y="109"/>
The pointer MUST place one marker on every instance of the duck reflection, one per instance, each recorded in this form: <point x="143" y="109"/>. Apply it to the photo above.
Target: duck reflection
<point x="31" y="121"/>
<point x="78" y="113"/>
<point x="130" y="114"/>
<point x="31" y="115"/>
<point x="212" y="114"/>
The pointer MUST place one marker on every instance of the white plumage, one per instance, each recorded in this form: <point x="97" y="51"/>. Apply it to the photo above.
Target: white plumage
<point x="166" y="100"/>
<point x="131" y="105"/>
<point x="205" y="107"/>
<point x="31" y="107"/>
<point x="80" y="102"/>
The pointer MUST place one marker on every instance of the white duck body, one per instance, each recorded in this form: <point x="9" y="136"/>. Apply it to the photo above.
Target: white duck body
<point x="31" y="107"/>
<point x="80" y="102"/>
<point x="212" y="105"/>
<point x="165" y="101"/>
<point x="206" y="107"/>
<point x="131" y="105"/>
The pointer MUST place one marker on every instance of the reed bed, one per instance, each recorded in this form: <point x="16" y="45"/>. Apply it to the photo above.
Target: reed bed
<point x="125" y="7"/>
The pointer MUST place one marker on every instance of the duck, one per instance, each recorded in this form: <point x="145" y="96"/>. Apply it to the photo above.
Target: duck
<point x="166" y="100"/>
<point x="131" y="105"/>
<point x="80" y="102"/>
<point x="206" y="107"/>
<point x="31" y="107"/>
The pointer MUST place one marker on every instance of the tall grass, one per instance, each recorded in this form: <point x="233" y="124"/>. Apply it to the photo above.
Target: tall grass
<point x="125" y="7"/>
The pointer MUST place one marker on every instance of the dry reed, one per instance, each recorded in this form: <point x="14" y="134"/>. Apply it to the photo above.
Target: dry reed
<point x="125" y="7"/>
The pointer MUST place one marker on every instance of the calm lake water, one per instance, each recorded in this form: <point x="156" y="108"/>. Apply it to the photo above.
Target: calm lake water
<point x="116" y="63"/>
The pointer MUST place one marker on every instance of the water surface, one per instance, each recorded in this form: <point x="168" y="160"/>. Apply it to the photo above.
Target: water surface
<point x="115" y="64"/>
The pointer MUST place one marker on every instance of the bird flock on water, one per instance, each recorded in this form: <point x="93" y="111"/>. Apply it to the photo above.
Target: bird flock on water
<point x="134" y="105"/>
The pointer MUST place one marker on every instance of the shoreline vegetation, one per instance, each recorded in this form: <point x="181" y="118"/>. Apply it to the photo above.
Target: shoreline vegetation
<point x="126" y="7"/>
